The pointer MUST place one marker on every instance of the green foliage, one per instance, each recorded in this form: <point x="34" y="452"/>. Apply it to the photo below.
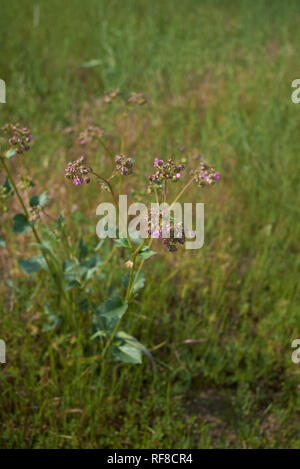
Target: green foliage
<point x="145" y="253"/>
<point x="21" y="224"/>
<point x="109" y="313"/>
<point x="41" y="200"/>
<point x="33" y="265"/>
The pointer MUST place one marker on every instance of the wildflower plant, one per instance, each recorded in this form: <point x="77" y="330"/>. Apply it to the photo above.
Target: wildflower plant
<point x="76" y="280"/>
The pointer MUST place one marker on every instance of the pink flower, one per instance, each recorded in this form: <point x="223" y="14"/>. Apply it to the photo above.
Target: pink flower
<point x="77" y="181"/>
<point x="216" y="176"/>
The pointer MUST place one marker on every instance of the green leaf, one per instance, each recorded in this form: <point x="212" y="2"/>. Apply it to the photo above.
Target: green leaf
<point x="20" y="224"/>
<point x="83" y="249"/>
<point x="122" y="243"/>
<point x="145" y="253"/>
<point x="10" y="153"/>
<point x="33" y="265"/>
<point x="135" y="343"/>
<point x="8" y="188"/>
<point x="109" y="312"/>
<point x="2" y="243"/>
<point x="139" y="283"/>
<point x="41" y="200"/>
<point x="90" y="267"/>
<point x="127" y="354"/>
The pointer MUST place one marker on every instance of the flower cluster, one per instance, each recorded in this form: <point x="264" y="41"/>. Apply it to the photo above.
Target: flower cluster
<point x="124" y="164"/>
<point x="205" y="175"/>
<point x="112" y="95"/>
<point x="77" y="171"/>
<point x="90" y="133"/>
<point x="18" y="138"/>
<point x="160" y="220"/>
<point x="137" y="98"/>
<point x="166" y="170"/>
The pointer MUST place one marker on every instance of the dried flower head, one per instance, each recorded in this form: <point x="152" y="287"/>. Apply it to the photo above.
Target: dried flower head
<point x="77" y="171"/>
<point x="124" y="164"/>
<point x="108" y="97"/>
<point x="166" y="170"/>
<point x="205" y="174"/>
<point x="18" y="138"/>
<point x="137" y="98"/>
<point x="90" y="133"/>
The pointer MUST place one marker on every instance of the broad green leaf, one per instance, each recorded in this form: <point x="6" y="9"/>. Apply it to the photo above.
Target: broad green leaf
<point x="113" y="308"/>
<point x="127" y="354"/>
<point x="41" y="200"/>
<point x="135" y="343"/>
<point x="108" y="313"/>
<point x="10" y="153"/>
<point x="33" y="265"/>
<point x="2" y="243"/>
<point x="145" y="253"/>
<point x="20" y="224"/>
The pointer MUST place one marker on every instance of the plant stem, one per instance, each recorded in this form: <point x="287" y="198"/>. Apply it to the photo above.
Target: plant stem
<point x="139" y="270"/>
<point x="105" y="147"/>
<point x="181" y="193"/>
<point x="38" y="240"/>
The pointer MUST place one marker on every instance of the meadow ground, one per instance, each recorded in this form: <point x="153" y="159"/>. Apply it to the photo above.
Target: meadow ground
<point x="218" y="75"/>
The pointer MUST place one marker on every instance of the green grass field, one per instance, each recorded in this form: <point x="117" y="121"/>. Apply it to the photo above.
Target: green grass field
<point x="218" y="75"/>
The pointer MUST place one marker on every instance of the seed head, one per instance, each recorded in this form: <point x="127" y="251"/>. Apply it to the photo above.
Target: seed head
<point x="137" y="98"/>
<point x="166" y="170"/>
<point x="17" y="137"/>
<point x="124" y="164"/>
<point x="205" y="174"/>
<point x="89" y="134"/>
<point x="77" y="171"/>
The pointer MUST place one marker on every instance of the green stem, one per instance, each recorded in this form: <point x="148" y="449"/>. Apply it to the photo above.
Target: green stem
<point x="139" y="270"/>
<point x="181" y="193"/>
<point x="105" y="147"/>
<point x="38" y="240"/>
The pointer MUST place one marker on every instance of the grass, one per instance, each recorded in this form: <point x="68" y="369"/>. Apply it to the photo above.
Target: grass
<point x="218" y="75"/>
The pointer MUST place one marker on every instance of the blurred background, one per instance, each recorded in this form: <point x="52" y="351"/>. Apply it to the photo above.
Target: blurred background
<point x="218" y="75"/>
